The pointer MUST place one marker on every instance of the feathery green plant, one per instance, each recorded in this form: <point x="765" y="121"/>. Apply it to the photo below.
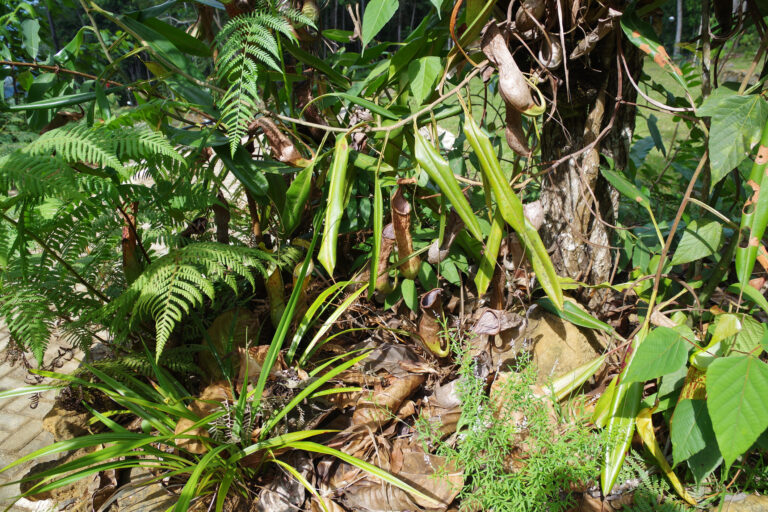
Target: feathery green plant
<point x="179" y="281"/>
<point x="249" y="43"/>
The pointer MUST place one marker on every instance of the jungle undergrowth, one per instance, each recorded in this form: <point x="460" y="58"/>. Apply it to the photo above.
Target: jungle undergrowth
<point x="518" y="455"/>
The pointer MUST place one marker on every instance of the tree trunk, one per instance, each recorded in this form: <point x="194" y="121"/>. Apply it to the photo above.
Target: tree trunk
<point x="579" y="204"/>
<point x="678" y="28"/>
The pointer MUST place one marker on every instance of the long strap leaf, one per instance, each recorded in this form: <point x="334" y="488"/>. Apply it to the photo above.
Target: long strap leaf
<point x="755" y="213"/>
<point x="511" y="209"/>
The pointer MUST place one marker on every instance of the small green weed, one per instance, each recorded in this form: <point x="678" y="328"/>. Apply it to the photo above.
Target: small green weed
<point x="516" y="455"/>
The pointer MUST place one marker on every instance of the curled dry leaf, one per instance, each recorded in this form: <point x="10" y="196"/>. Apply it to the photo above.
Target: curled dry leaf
<point x="492" y="322"/>
<point x="603" y="28"/>
<point x="252" y="360"/>
<point x="284" y="493"/>
<point x="388" y="357"/>
<point x="401" y="222"/>
<point x="513" y="86"/>
<point x="237" y="326"/>
<point x="527" y="12"/>
<point x="438" y="252"/>
<point x="431" y="304"/>
<point x="551" y="53"/>
<point x="376" y="408"/>
<point x="408" y="462"/>
<point x="387" y="244"/>
<point x="283" y="148"/>
<point x="516" y="138"/>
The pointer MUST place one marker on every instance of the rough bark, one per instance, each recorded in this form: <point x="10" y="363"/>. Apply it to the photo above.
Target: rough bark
<point x="579" y="205"/>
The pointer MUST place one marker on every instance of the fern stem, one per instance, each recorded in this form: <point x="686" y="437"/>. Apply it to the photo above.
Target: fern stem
<point x="132" y="225"/>
<point x="58" y="258"/>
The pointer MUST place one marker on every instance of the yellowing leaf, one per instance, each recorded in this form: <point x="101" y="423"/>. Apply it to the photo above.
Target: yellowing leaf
<point x="644" y="424"/>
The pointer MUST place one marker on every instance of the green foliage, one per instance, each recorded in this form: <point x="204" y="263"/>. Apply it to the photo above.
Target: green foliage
<point x="179" y="281"/>
<point x="652" y="493"/>
<point x="516" y="454"/>
<point x="377" y="14"/>
<point x="248" y="43"/>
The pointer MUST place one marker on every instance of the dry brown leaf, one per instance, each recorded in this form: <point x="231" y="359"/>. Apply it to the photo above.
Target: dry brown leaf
<point x="283" y="148"/>
<point x="513" y="87"/>
<point x="205" y="405"/>
<point x="379" y="406"/>
<point x="492" y="321"/>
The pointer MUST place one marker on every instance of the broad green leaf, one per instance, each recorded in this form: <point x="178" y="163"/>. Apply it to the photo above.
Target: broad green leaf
<point x="737" y="123"/>
<point x="491" y="254"/>
<point x="749" y="338"/>
<point x="62" y="101"/>
<point x="736" y="391"/>
<point x="691" y="430"/>
<point x="160" y="45"/>
<point x="438" y="6"/>
<point x="340" y="36"/>
<point x="319" y="64"/>
<point x="295" y="200"/>
<point x="440" y="173"/>
<point x="241" y="165"/>
<point x="373" y="107"/>
<point x="180" y="39"/>
<point x="568" y="383"/>
<point x="377" y="14"/>
<point x="705" y="462"/>
<point x="663" y="351"/>
<point x="642" y="35"/>
<point x="410" y="296"/>
<point x="25" y="79"/>
<point x="700" y="239"/>
<point x="754" y="213"/>
<point x="30" y="35"/>
<point x="750" y="293"/>
<point x="423" y="75"/>
<point x="653" y="129"/>
<point x="725" y="326"/>
<point x="427" y="276"/>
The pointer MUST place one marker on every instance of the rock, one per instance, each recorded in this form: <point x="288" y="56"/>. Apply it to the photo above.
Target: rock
<point x="742" y="503"/>
<point x="64" y="424"/>
<point x="558" y="346"/>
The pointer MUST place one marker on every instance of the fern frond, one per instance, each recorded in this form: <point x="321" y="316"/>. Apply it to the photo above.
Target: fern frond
<point x="178" y="282"/>
<point x="249" y="42"/>
<point x="77" y="143"/>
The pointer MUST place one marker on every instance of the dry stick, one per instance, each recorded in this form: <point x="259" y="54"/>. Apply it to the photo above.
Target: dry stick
<point x="753" y="66"/>
<point x="58" y="69"/>
<point x="132" y="226"/>
<point x="673" y="229"/>
<point x="58" y="258"/>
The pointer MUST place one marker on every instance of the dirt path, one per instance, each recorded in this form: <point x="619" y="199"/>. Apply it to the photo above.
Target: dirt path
<point x="21" y="426"/>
